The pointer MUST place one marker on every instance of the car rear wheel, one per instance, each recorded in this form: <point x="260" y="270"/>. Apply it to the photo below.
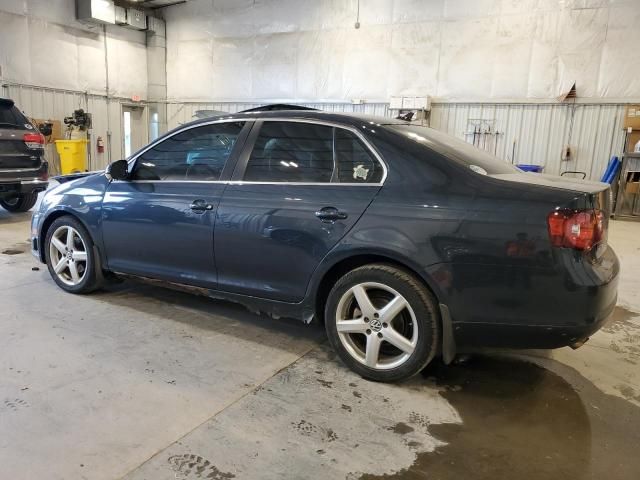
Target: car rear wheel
<point x="382" y="322"/>
<point x="70" y="256"/>
<point x="19" y="203"/>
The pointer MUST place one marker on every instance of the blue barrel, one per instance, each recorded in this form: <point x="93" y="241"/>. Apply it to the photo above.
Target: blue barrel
<point x="530" y="168"/>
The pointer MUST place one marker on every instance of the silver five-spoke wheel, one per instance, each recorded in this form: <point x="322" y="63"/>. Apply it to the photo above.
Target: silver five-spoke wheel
<point x="68" y="254"/>
<point x="376" y="325"/>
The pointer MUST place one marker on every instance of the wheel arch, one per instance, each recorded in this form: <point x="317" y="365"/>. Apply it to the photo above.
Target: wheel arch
<point x="343" y="265"/>
<point x="48" y="221"/>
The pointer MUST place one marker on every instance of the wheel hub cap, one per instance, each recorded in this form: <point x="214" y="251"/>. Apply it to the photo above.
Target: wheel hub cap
<point x="376" y="325"/>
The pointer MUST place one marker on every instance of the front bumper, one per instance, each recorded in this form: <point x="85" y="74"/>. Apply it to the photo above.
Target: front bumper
<point x="35" y="236"/>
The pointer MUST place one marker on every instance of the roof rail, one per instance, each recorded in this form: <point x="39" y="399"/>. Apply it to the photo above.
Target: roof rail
<point x="277" y="106"/>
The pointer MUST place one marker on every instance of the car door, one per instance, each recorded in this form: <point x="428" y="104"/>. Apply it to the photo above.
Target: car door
<point x="298" y="189"/>
<point x="159" y="222"/>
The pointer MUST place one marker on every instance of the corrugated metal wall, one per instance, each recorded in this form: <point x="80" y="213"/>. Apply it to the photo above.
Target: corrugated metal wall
<point x="528" y="133"/>
<point x="55" y="104"/>
<point x="538" y="133"/>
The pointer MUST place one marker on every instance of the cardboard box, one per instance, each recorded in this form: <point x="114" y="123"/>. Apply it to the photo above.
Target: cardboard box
<point x="633" y="138"/>
<point x="632" y="185"/>
<point x="632" y="117"/>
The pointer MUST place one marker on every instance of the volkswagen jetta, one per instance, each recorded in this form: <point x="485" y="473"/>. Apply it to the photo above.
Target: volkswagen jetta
<point x="405" y="242"/>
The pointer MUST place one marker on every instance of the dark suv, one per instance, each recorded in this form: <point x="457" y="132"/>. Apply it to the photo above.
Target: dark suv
<point x="23" y="169"/>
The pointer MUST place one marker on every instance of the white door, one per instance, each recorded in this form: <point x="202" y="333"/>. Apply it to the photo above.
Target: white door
<point x="134" y="129"/>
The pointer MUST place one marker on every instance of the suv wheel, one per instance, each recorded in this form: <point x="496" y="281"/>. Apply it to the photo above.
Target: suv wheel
<point x="19" y="203"/>
<point x="70" y="256"/>
<point x="382" y="322"/>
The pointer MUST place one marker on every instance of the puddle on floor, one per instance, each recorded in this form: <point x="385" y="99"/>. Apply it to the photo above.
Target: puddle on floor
<point x="521" y="421"/>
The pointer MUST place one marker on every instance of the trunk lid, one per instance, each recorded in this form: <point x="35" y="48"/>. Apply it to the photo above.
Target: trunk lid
<point x="590" y="199"/>
<point x="577" y="185"/>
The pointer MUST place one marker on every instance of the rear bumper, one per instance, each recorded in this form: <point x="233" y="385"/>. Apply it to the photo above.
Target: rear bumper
<point x="24" y="181"/>
<point x="515" y="306"/>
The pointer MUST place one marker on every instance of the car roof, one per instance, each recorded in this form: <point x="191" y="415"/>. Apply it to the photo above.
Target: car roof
<point x="350" y="119"/>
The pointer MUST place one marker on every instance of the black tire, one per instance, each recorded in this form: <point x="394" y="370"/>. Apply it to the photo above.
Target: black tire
<point x="19" y="203"/>
<point x="92" y="277"/>
<point x="420" y="300"/>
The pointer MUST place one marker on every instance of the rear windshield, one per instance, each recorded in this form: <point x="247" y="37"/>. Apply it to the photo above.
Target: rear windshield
<point x="10" y="116"/>
<point x="461" y="152"/>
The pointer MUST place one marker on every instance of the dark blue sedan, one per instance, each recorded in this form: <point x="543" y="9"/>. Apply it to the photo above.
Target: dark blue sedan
<point x="406" y="243"/>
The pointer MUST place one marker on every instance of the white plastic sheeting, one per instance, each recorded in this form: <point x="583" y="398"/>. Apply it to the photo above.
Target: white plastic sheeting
<point x="464" y="50"/>
<point x="41" y="44"/>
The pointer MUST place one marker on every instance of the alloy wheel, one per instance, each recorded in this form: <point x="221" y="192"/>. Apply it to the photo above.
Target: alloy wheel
<point x="376" y="325"/>
<point x="68" y="255"/>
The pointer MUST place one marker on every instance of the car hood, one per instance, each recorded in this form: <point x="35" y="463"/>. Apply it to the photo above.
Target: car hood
<point x="75" y="176"/>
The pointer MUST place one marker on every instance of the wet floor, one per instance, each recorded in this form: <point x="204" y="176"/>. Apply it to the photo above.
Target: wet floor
<point x="521" y="421"/>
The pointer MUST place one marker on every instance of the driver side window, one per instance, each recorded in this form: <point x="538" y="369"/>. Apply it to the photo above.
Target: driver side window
<point x="197" y="154"/>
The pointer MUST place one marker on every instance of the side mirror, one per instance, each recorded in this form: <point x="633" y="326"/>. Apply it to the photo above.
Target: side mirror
<point x="118" y="170"/>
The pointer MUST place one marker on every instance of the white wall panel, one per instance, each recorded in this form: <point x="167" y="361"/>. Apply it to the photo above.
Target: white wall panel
<point x="41" y="44"/>
<point x="453" y="50"/>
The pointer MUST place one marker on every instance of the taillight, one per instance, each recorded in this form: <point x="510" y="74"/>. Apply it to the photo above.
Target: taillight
<point x="577" y="229"/>
<point x="33" y="140"/>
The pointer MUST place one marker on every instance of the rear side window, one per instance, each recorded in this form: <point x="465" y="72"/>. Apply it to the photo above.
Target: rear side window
<point x="197" y="154"/>
<point x="292" y="152"/>
<point x="354" y="160"/>
<point x="10" y="116"/>
<point x="297" y="152"/>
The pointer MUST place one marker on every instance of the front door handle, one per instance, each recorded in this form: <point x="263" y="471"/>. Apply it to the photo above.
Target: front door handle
<point x="330" y="214"/>
<point x="200" y="206"/>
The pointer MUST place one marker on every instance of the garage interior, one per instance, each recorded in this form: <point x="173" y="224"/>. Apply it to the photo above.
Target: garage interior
<point x="140" y="382"/>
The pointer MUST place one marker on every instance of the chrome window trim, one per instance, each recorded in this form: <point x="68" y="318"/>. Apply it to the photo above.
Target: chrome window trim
<point x="327" y="123"/>
<point x="242" y="182"/>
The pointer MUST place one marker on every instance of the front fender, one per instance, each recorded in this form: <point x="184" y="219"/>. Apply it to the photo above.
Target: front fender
<point x="81" y="198"/>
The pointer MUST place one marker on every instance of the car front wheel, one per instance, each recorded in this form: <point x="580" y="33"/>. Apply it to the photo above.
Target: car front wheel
<point x="382" y="322"/>
<point x="70" y="256"/>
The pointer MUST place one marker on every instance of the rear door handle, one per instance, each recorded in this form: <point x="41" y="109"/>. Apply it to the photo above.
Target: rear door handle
<point x="200" y="206"/>
<point x="330" y="214"/>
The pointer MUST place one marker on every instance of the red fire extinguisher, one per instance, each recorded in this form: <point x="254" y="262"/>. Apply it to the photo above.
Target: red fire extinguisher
<point x="100" y="145"/>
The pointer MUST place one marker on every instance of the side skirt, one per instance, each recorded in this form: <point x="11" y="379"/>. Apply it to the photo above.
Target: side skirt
<point x="271" y="308"/>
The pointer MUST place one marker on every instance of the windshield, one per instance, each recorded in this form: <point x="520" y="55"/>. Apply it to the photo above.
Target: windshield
<point x="477" y="160"/>
<point x="11" y="116"/>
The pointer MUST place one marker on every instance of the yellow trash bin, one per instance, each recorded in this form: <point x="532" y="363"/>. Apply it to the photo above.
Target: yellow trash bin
<point x="73" y="155"/>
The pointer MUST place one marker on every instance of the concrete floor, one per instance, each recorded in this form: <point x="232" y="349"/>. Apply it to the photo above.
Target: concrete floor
<point x="140" y="383"/>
